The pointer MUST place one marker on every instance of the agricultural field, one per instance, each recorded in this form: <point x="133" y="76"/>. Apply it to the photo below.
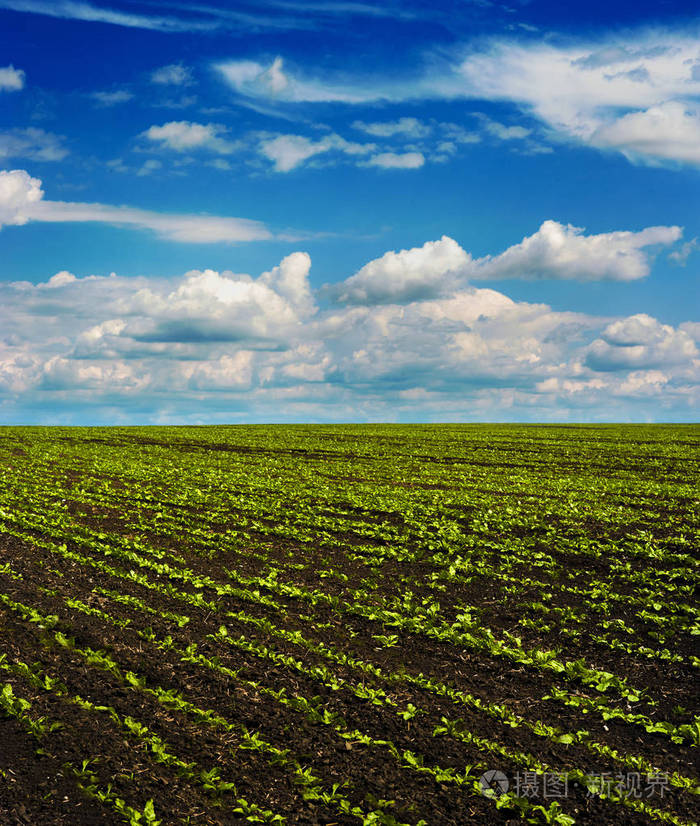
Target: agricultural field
<point x="351" y="624"/>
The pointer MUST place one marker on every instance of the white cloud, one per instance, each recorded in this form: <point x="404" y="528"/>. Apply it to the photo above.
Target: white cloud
<point x="233" y="345"/>
<point x="470" y="340"/>
<point x="634" y="330"/>
<point x="636" y="93"/>
<point x="32" y="143"/>
<point x="209" y="306"/>
<point x="207" y="17"/>
<point x="457" y="134"/>
<point x="112" y="98"/>
<point x="564" y="252"/>
<point x="194" y="229"/>
<point x="117" y="165"/>
<point x="220" y="163"/>
<point x="503" y="132"/>
<point x="275" y="83"/>
<point x="82" y="10"/>
<point x="629" y="93"/>
<point x="692" y="328"/>
<point x="408" y="275"/>
<point x="291" y="281"/>
<point x="670" y="131"/>
<point x="274" y="79"/>
<point x="60" y="279"/>
<point x="19" y="192"/>
<point x="252" y="79"/>
<point x="507" y="133"/>
<point x="148" y="167"/>
<point x="409" y="127"/>
<point x="289" y="151"/>
<point x="21" y="201"/>
<point x="61" y="373"/>
<point x="641" y="384"/>
<point x="11" y="79"/>
<point x="640" y="341"/>
<point x="175" y="74"/>
<point x="183" y="136"/>
<point x="394" y="160"/>
<point x="228" y="372"/>
<point x="135" y="318"/>
<point x="681" y="255"/>
<point x="555" y="251"/>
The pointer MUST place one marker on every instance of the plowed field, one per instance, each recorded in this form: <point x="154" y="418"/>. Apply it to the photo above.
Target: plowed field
<point x="395" y="624"/>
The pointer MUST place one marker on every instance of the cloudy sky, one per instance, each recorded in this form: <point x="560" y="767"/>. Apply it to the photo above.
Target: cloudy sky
<point x="332" y="210"/>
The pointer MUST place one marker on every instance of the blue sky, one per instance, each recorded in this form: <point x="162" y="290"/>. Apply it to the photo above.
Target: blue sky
<point x="344" y="211"/>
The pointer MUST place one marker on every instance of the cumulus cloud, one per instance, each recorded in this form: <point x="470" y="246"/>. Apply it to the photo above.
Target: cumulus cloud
<point x="184" y="136"/>
<point x="291" y="281"/>
<point x="209" y="306"/>
<point x="224" y="342"/>
<point x="11" y="79"/>
<point x="640" y="341"/>
<point x="21" y="200"/>
<point x="692" y="328"/>
<point x="555" y="251"/>
<point x="60" y="279"/>
<point x="19" y="192"/>
<point x="228" y="372"/>
<point x="61" y="374"/>
<point x="465" y="346"/>
<point x="111" y="317"/>
<point x="397" y="277"/>
<point x="394" y="160"/>
<point x="175" y="74"/>
<point x="35" y="144"/>
<point x="564" y="252"/>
